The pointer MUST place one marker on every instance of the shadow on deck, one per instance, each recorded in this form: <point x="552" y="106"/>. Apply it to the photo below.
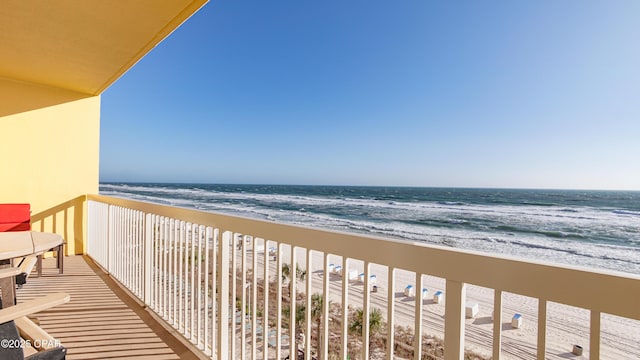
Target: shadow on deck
<point x="101" y="321"/>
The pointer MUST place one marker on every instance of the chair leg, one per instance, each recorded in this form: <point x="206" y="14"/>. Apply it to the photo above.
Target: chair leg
<point x="39" y="265"/>
<point x="60" y="258"/>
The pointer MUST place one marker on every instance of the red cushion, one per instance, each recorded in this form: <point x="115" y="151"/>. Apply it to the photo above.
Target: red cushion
<point x="15" y="217"/>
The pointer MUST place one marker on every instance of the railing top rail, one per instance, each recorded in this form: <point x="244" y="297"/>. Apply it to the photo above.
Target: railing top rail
<point x="605" y="291"/>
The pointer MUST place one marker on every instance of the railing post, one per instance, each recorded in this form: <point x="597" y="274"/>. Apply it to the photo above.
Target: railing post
<point x="223" y="297"/>
<point x="148" y="239"/>
<point x="454" y="322"/>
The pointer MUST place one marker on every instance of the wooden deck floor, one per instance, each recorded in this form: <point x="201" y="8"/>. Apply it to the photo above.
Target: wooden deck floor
<point x="101" y="321"/>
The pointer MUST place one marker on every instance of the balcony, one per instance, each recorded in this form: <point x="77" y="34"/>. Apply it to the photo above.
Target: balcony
<point x="203" y="277"/>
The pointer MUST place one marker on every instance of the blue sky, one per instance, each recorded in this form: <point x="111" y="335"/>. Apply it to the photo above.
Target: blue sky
<point x="536" y="94"/>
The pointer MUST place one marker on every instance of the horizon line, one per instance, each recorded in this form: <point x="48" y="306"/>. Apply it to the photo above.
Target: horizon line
<point x="370" y="186"/>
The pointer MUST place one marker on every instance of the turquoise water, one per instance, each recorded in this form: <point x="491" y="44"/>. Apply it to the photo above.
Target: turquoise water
<point x="599" y="229"/>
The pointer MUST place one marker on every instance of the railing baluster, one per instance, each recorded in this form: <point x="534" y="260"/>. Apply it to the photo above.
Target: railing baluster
<point x="391" y="303"/>
<point x="223" y="297"/>
<point x="148" y="265"/>
<point x="110" y="245"/>
<point x="254" y="300"/>
<point x="199" y="289"/>
<point x="165" y="267"/>
<point x="293" y="300"/>
<point x="115" y="263"/>
<point x="497" y="323"/>
<point x="417" y="345"/>
<point x="234" y="289"/>
<point x="243" y="302"/>
<point x="138" y="246"/>
<point x="192" y="284"/>
<point x="186" y="231"/>
<point x="207" y="313"/>
<point x="325" y="309"/>
<point x="122" y="249"/>
<point x="265" y="311"/>
<point x="307" y="332"/>
<point x="181" y="271"/>
<point x="594" y="338"/>
<point x="174" y="273"/>
<point x="454" y="322"/>
<point x="345" y="307"/>
<point x="279" y="301"/>
<point x="134" y="246"/>
<point x="139" y="253"/>
<point x="131" y="250"/>
<point x="366" y="302"/>
<point x="157" y="257"/>
<point x="542" y="329"/>
<point x="170" y="270"/>
<point x="214" y="298"/>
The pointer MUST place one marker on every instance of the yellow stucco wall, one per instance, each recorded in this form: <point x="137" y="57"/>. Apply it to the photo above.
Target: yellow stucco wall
<point x="49" y="155"/>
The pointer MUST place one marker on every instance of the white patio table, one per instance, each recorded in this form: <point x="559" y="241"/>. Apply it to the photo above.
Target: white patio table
<point x="17" y="244"/>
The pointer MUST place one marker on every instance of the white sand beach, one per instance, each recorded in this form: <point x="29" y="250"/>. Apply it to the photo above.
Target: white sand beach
<point x="566" y="325"/>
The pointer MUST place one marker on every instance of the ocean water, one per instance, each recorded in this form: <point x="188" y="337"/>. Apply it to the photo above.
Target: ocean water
<point x="598" y="229"/>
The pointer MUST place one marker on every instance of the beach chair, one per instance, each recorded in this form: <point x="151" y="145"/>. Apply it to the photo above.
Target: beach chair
<point x="516" y="321"/>
<point x="409" y="291"/>
<point x="352" y="275"/>
<point x="425" y="293"/>
<point x="15" y="325"/>
<point x="337" y="270"/>
<point x="437" y="297"/>
<point x="471" y="309"/>
<point x="273" y="254"/>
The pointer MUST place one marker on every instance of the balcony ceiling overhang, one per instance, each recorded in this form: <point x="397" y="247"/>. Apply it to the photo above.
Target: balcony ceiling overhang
<point x="83" y="45"/>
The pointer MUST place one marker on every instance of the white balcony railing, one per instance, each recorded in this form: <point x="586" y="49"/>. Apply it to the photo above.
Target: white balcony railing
<point x="207" y="275"/>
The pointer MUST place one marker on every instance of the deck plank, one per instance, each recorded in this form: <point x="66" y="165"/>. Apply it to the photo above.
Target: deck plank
<point x="101" y="320"/>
